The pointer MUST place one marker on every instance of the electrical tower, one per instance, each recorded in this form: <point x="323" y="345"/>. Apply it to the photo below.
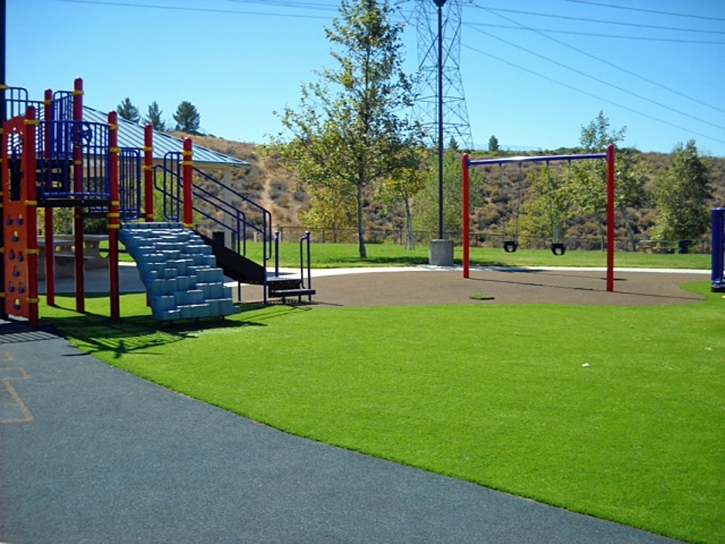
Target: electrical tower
<point x="455" y="114"/>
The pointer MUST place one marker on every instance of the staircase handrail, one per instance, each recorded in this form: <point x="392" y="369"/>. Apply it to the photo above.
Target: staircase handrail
<point x="305" y="245"/>
<point x="228" y="210"/>
<point x="266" y="228"/>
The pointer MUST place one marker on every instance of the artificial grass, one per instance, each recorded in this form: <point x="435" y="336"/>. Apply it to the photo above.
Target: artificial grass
<point x="493" y="394"/>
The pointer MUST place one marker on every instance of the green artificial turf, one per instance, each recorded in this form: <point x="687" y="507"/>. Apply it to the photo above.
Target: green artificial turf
<point x="617" y="412"/>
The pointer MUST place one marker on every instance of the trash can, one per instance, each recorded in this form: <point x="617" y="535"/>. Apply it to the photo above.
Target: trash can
<point x="683" y="246"/>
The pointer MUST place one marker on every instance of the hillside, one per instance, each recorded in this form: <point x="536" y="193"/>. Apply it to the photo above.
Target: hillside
<point x="275" y="188"/>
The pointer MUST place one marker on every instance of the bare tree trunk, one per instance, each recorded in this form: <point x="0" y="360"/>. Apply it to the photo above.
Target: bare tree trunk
<point x="410" y="235"/>
<point x="630" y="230"/>
<point x="360" y="225"/>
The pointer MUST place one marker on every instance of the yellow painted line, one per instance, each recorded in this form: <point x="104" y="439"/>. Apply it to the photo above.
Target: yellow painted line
<point x="17" y="373"/>
<point x="27" y="416"/>
<point x="6" y="356"/>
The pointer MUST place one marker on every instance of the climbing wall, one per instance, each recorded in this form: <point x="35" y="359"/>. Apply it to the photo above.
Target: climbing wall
<point x="20" y="251"/>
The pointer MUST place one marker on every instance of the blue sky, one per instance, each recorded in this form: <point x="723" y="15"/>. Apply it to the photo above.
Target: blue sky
<point x="532" y="70"/>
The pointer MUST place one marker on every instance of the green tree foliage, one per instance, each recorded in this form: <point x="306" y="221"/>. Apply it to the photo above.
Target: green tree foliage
<point x="588" y="184"/>
<point x="400" y="188"/>
<point x="329" y="209"/>
<point x="187" y="118"/>
<point x="426" y="202"/>
<point x="682" y="195"/>
<point x="548" y="209"/>
<point x="154" y="117"/>
<point x="346" y="133"/>
<point x="126" y="110"/>
<point x="493" y="144"/>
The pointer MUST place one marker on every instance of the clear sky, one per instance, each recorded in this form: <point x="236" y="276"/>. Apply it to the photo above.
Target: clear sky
<point x="534" y="71"/>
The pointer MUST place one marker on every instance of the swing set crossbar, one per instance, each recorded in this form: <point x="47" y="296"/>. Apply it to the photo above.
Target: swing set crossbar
<point x="543" y="158"/>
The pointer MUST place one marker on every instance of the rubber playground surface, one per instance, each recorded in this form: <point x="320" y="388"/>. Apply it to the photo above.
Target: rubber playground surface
<point x="426" y="285"/>
<point x="433" y="286"/>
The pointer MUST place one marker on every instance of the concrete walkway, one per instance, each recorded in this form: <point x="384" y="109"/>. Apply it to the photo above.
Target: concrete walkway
<point x="89" y="453"/>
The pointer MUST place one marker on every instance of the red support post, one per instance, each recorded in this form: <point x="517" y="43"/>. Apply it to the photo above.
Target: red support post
<point x="148" y="172"/>
<point x="114" y="218"/>
<point x="49" y="224"/>
<point x="31" y="207"/>
<point x="466" y="216"/>
<point x="78" y="189"/>
<point x="188" y="176"/>
<point x="610" y="217"/>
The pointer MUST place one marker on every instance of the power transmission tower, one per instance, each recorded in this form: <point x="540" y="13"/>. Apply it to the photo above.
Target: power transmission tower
<point x="455" y="114"/>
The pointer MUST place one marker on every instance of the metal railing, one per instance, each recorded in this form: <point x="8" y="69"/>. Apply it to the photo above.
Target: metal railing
<point x="214" y="204"/>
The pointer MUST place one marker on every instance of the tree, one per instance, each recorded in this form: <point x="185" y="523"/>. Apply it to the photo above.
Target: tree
<point x="682" y="196"/>
<point x="347" y="133"/>
<point x="493" y="144"/>
<point x="126" y="110"/>
<point x="329" y="210"/>
<point x="187" y="118"/>
<point x="401" y="187"/>
<point x="154" y="117"/>
<point x="549" y="208"/>
<point x="588" y="183"/>
<point x="427" y="204"/>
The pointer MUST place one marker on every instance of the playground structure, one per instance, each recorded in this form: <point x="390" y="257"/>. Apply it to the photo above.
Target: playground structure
<point x="53" y="158"/>
<point x="718" y="250"/>
<point x="557" y="248"/>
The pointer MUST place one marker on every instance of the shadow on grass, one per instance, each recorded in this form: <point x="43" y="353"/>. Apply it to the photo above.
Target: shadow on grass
<point x="403" y="260"/>
<point x="399" y="260"/>
<point x="96" y="333"/>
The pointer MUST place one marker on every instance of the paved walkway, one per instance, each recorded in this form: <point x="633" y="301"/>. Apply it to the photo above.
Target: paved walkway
<point x="89" y="453"/>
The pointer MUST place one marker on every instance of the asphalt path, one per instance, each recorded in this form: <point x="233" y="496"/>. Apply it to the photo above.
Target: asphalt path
<point x="92" y="454"/>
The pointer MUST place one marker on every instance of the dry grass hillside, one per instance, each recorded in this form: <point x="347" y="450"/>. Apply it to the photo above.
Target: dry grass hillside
<point x="263" y="181"/>
<point x="275" y="188"/>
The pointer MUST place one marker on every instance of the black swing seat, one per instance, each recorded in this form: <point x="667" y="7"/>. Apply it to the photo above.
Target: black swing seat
<point x="558" y="248"/>
<point x="510" y="246"/>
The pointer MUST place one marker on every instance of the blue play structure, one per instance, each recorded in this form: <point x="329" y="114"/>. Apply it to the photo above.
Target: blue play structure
<point x="718" y="249"/>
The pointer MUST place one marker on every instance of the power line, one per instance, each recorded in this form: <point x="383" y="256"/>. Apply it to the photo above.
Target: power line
<point x="602" y="81"/>
<point x="594" y="34"/>
<point x="592" y="95"/>
<point x="600" y="21"/>
<point x="611" y="64"/>
<point x="290" y="4"/>
<point x="688" y="15"/>
<point x="196" y="10"/>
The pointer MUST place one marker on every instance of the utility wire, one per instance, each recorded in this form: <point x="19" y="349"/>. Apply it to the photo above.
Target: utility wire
<point x="290" y="4"/>
<point x="196" y="10"/>
<point x="599" y="80"/>
<point x="593" y="34"/>
<point x="553" y="80"/>
<point x="600" y="21"/>
<point x="611" y="64"/>
<point x="689" y="15"/>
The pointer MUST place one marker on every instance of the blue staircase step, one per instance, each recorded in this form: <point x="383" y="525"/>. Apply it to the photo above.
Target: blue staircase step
<point x="179" y="272"/>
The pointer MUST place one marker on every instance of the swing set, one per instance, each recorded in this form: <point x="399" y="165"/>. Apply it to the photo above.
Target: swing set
<point x="557" y="247"/>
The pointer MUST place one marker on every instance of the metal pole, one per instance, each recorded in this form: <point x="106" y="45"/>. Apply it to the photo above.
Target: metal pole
<point x="440" y="4"/>
<point x="466" y="217"/>
<point x="3" y="32"/>
<point x="610" y="217"/>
